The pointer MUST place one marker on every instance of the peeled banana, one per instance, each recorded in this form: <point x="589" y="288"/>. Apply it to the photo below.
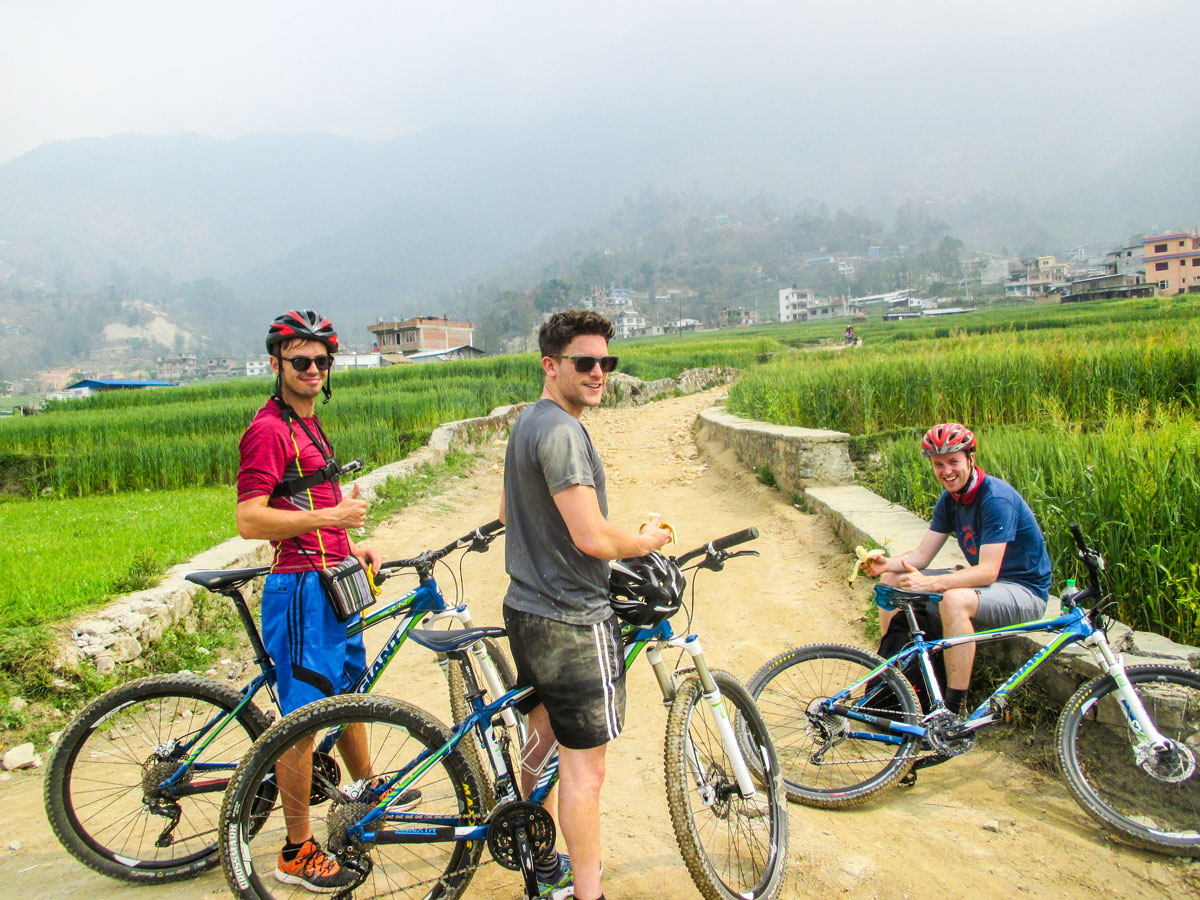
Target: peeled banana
<point x="863" y="555"/>
<point x="666" y="525"/>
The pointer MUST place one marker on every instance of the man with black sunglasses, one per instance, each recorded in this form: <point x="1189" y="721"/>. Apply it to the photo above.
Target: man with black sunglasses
<point x="288" y="494"/>
<point x="561" y="630"/>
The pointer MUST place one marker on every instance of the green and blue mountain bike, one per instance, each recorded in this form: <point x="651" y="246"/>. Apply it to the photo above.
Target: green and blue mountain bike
<point x="848" y="725"/>
<point x="135" y="785"/>
<point x="724" y="787"/>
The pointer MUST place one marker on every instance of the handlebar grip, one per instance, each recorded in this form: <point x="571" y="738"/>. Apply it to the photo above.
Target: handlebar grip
<point x="491" y="527"/>
<point x="738" y="537"/>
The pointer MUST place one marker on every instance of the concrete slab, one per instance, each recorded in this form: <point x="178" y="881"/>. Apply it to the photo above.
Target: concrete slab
<point x="860" y="516"/>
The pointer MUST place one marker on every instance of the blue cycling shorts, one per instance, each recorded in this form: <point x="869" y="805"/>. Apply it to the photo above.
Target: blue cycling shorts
<point x="313" y="656"/>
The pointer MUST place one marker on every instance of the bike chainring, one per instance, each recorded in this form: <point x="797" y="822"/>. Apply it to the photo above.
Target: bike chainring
<point x="509" y="823"/>
<point x="327" y="775"/>
<point x="946" y="737"/>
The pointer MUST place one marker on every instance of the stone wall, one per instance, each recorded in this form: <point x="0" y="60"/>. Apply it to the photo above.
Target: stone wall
<point x="796" y="457"/>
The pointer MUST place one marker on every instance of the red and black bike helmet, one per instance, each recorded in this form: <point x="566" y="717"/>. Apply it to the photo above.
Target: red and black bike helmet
<point x="949" y="437"/>
<point x="301" y="325"/>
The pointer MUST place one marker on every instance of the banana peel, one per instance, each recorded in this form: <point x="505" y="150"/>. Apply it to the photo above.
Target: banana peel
<point x="666" y="525"/>
<point x="863" y="555"/>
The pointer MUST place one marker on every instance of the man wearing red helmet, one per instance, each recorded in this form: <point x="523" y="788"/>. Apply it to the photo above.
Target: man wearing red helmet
<point x="288" y="494"/>
<point x="1008" y="579"/>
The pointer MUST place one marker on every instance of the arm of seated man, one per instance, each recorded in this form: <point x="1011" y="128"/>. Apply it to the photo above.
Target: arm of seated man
<point x="980" y="575"/>
<point x="595" y="535"/>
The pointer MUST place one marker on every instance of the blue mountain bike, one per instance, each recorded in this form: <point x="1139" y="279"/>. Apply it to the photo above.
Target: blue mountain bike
<point x="135" y="785"/>
<point x="724" y="788"/>
<point x="848" y="725"/>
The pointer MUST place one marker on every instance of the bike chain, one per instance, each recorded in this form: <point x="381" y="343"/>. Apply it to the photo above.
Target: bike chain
<point x="915" y="757"/>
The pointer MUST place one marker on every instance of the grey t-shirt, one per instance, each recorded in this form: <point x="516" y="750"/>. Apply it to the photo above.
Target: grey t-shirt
<point x="548" y="451"/>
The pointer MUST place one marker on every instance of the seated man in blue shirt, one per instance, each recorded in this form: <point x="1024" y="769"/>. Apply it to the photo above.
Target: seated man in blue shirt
<point x="1008" y="579"/>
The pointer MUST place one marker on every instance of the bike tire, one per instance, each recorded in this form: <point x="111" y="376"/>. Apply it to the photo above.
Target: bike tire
<point x="94" y="793"/>
<point x="1155" y="805"/>
<point x="460" y="709"/>
<point x="849" y="771"/>
<point x="397" y="733"/>
<point x="733" y="847"/>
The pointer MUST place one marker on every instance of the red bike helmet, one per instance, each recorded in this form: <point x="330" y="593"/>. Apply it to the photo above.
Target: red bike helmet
<point x="645" y="590"/>
<point x="302" y="325"/>
<point x="949" y="437"/>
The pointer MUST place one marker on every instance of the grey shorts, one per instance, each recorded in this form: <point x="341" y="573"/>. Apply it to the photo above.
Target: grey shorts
<point x="1000" y="603"/>
<point x="578" y="671"/>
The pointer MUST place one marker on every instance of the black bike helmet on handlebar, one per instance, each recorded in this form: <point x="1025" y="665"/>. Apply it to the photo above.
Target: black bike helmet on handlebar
<point x="645" y="590"/>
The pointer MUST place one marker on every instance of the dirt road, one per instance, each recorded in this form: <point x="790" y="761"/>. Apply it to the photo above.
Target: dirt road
<point x="981" y="827"/>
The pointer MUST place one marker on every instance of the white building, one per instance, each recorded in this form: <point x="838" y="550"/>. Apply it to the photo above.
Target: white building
<point x="256" y="367"/>
<point x="793" y="304"/>
<point x="796" y="305"/>
<point x="627" y="323"/>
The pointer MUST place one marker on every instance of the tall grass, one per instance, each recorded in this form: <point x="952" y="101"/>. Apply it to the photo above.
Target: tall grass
<point x="995" y="379"/>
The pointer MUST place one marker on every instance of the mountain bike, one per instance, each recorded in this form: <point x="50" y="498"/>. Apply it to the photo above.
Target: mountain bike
<point x="848" y="725"/>
<point x="133" y="789"/>
<point x="726" y="808"/>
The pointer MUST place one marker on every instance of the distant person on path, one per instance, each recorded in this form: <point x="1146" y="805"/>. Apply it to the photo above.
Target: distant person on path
<point x="1008" y="579"/>
<point x="564" y="637"/>
<point x="288" y="494"/>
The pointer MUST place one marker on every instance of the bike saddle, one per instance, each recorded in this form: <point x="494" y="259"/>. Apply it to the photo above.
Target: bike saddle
<point x="219" y="580"/>
<point x="455" y="639"/>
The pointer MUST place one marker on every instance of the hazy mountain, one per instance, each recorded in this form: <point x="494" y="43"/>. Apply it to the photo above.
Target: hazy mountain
<point x="390" y="228"/>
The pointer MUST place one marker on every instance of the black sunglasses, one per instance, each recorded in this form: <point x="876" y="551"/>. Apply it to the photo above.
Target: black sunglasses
<point x="585" y="364"/>
<point x="301" y="363"/>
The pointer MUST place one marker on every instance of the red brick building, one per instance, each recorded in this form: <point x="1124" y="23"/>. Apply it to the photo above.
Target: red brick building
<point x="422" y="333"/>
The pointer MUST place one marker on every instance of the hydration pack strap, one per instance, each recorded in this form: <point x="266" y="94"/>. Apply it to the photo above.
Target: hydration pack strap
<point x="327" y="472"/>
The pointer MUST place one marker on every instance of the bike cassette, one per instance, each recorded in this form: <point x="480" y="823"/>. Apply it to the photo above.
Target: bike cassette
<point x="341" y="816"/>
<point x="517" y="822"/>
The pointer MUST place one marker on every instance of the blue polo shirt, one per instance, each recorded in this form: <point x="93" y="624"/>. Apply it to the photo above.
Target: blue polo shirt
<point x="999" y="515"/>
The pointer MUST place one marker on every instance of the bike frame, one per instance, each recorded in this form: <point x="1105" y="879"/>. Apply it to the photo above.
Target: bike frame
<point x="424" y="602"/>
<point x="1072" y="627"/>
<point x="445" y="828"/>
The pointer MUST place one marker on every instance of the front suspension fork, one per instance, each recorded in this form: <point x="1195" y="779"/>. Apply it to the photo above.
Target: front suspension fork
<point x="712" y="694"/>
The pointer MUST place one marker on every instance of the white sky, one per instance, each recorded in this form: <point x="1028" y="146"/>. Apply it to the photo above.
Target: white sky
<point x="374" y="70"/>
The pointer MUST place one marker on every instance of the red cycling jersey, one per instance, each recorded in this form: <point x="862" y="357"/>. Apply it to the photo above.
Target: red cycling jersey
<point x="272" y="452"/>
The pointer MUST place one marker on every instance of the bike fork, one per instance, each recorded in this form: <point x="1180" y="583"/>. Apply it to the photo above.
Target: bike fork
<point x="1140" y="722"/>
<point x="712" y="694"/>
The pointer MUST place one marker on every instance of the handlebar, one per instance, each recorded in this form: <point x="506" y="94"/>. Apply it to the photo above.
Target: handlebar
<point x="1094" y="592"/>
<point x="714" y="550"/>
<point x="476" y="541"/>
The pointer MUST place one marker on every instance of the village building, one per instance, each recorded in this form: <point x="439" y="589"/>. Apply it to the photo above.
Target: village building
<point x="1172" y="261"/>
<point x="420" y="335"/>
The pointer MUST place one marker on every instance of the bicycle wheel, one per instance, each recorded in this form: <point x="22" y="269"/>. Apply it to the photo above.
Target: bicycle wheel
<point x="824" y="764"/>
<point x="460" y="709"/>
<point x="397" y="734"/>
<point x="102" y="791"/>
<point x="734" y="847"/>
<point x="1154" y="801"/>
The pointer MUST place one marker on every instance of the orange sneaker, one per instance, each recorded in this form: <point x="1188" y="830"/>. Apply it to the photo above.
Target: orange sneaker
<point x="313" y="869"/>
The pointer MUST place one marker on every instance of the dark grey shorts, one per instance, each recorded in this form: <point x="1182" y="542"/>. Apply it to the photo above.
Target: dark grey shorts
<point x="1000" y="603"/>
<point x="578" y="671"/>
